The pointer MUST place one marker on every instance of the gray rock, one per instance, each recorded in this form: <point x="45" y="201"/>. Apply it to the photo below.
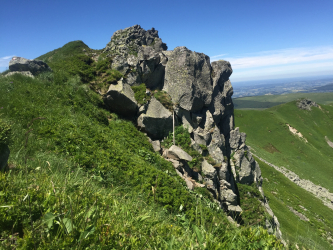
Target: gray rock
<point x="235" y="210"/>
<point x="25" y="73"/>
<point x="176" y="164"/>
<point x="234" y="140"/>
<point x="210" y="185"/>
<point x="208" y="170"/>
<point x="120" y="63"/>
<point x="156" y="145"/>
<point x="185" y="117"/>
<point x="189" y="183"/>
<point x="4" y="155"/>
<point x="221" y="104"/>
<point x="120" y="99"/>
<point x="188" y="80"/>
<point x="196" y="146"/>
<point x="228" y="196"/>
<point x="176" y="153"/>
<point x="137" y="54"/>
<point x="223" y="172"/>
<point x="216" y="147"/>
<point x="306" y="104"/>
<point x="209" y="122"/>
<point x="152" y="71"/>
<point x="130" y="39"/>
<point x="22" y="64"/>
<point x="157" y="122"/>
<point x="201" y="136"/>
<point x="143" y="109"/>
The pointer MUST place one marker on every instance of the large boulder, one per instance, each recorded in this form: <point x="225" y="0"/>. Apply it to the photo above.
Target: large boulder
<point x="120" y="99"/>
<point x="131" y="38"/>
<point x="22" y="64"/>
<point x="151" y="68"/>
<point x="176" y="153"/>
<point x="137" y="54"/>
<point x="188" y="79"/>
<point x="208" y="170"/>
<point x="157" y="121"/>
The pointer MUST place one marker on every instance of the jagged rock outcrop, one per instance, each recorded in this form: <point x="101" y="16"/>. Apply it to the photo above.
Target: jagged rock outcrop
<point x="120" y="98"/>
<point x="137" y="54"/>
<point x="221" y="104"/>
<point x="187" y="79"/>
<point x="201" y="94"/>
<point x="22" y="64"/>
<point x="157" y="121"/>
<point x="306" y="104"/>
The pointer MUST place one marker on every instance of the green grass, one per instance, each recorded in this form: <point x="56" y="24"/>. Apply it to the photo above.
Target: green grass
<point x="281" y="192"/>
<point x="269" y="136"/>
<point x="83" y="178"/>
<point x="268" y="101"/>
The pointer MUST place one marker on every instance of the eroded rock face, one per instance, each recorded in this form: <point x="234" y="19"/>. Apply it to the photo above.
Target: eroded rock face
<point x="137" y="54"/>
<point x="221" y="104"/>
<point x="157" y="121"/>
<point x="120" y="99"/>
<point x="201" y="93"/>
<point x="187" y="79"/>
<point x="22" y="64"/>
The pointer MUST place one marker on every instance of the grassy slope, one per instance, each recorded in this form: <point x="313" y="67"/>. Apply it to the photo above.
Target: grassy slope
<point x="268" y="101"/>
<point x="77" y="163"/>
<point x="281" y="192"/>
<point x="269" y="136"/>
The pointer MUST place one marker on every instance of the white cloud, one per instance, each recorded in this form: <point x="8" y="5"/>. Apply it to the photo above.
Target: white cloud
<point x="281" y="57"/>
<point x="294" y="61"/>
<point x="4" y="61"/>
<point x="218" y="56"/>
<point x="304" y="69"/>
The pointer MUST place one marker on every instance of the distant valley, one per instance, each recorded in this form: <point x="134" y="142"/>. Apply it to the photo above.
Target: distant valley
<point x="283" y="86"/>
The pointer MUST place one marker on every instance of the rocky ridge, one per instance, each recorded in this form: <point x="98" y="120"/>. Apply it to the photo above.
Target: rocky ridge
<point x="201" y="95"/>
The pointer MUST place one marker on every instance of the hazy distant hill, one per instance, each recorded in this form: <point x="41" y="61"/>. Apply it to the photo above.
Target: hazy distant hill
<point x="267" y="101"/>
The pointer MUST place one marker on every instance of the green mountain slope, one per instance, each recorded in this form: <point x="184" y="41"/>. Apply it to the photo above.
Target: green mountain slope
<point x="309" y="157"/>
<point x="282" y="194"/>
<point x="270" y="138"/>
<point x="82" y="178"/>
<point x="268" y="101"/>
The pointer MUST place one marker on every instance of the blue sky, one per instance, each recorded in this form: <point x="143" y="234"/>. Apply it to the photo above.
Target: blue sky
<point x="263" y="39"/>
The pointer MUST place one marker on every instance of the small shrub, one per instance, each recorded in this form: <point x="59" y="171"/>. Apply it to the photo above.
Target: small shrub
<point x="164" y="98"/>
<point x="140" y="94"/>
<point x="113" y="76"/>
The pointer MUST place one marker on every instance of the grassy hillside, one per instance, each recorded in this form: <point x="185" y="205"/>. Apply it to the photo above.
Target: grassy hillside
<point x="268" y="101"/>
<point x="312" y="159"/>
<point x="269" y="136"/>
<point x="281" y="193"/>
<point x="80" y="177"/>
